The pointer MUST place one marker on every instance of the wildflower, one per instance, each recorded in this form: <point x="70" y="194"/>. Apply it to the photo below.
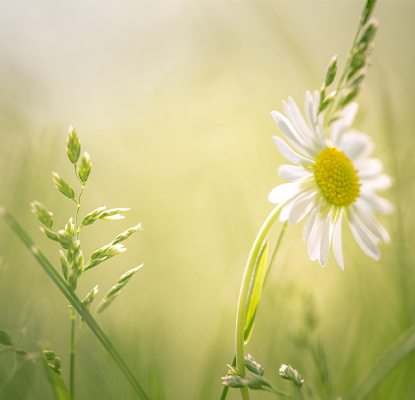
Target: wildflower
<point x="329" y="178"/>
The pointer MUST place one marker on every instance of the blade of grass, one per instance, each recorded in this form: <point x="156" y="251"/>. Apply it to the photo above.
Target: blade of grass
<point x="401" y="348"/>
<point x="74" y="301"/>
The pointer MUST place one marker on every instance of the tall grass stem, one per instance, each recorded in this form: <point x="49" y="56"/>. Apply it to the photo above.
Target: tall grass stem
<point x="75" y="302"/>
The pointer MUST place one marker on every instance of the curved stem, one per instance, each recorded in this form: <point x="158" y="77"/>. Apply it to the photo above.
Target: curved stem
<point x="270" y="262"/>
<point x="75" y="302"/>
<point x="244" y="292"/>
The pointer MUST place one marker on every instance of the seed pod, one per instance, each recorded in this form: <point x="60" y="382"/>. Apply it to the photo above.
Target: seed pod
<point x="291" y="374"/>
<point x="64" y="187"/>
<point x="331" y="71"/>
<point x="126" y="234"/>
<point x="42" y="213"/>
<point x="73" y="147"/>
<point x="84" y="168"/>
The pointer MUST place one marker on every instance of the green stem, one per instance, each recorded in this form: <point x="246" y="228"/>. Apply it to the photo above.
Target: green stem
<point x="271" y="261"/>
<point x="244" y="292"/>
<point x="386" y="362"/>
<point x="72" y="353"/>
<point x="75" y="302"/>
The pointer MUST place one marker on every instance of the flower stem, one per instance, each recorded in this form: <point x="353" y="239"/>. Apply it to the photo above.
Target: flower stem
<point x="72" y="353"/>
<point x="271" y="261"/>
<point x="244" y="292"/>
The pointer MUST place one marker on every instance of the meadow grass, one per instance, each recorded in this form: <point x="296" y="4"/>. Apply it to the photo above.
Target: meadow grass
<point x="199" y="182"/>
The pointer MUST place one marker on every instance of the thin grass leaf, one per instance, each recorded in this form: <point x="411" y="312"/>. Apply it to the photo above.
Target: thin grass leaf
<point x="52" y="367"/>
<point x="5" y="339"/>
<point x="116" y="289"/>
<point x="257" y="283"/>
<point x="75" y="302"/>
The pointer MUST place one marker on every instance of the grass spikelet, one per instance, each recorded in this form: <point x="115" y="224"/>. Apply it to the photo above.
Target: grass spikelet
<point x="115" y="290"/>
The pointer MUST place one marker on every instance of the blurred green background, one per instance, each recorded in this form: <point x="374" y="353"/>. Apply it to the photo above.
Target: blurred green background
<point x="172" y="100"/>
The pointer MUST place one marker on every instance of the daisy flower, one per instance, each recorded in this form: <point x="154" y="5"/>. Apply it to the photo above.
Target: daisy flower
<point x="331" y="177"/>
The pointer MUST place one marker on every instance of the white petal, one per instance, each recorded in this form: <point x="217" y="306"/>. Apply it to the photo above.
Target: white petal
<point x="287" y="152"/>
<point x="343" y="123"/>
<point x="366" y="216"/>
<point x="311" y="219"/>
<point x="281" y="193"/>
<point x="292" y="172"/>
<point x="356" y="145"/>
<point x="365" y="239"/>
<point x="293" y="137"/>
<point x="337" y="241"/>
<point x="325" y="240"/>
<point x="379" y="182"/>
<point x="311" y="111"/>
<point x="368" y="167"/>
<point x="377" y="203"/>
<point x="315" y="238"/>
<point x="301" y="207"/>
<point x="293" y="112"/>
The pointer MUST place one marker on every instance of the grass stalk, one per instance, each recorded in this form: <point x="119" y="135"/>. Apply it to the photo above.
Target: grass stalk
<point x="72" y="354"/>
<point x="75" y="302"/>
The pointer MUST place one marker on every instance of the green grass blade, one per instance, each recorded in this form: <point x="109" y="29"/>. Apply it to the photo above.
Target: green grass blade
<point x="257" y="284"/>
<point x="401" y="348"/>
<point x="74" y="301"/>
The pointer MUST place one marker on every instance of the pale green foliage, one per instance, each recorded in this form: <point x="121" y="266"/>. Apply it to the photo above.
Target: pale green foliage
<point x="64" y="187"/>
<point x="113" y="214"/>
<point x="253" y="365"/>
<point x="53" y="370"/>
<point x="50" y="234"/>
<point x="73" y="147"/>
<point x="126" y="234"/>
<point x="291" y="374"/>
<point x="102" y="213"/>
<point x="84" y="168"/>
<point x="368" y="10"/>
<point x="255" y="290"/>
<point x="115" y="290"/>
<point x="5" y="339"/>
<point x="91" y="217"/>
<point x="42" y="213"/>
<point x="254" y="379"/>
<point x="90" y="297"/>
<point x="104" y="253"/>
<point x="354" y="70"/>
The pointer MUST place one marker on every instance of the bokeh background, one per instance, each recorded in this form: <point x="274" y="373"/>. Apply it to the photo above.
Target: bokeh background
<point x="172" y="100"/>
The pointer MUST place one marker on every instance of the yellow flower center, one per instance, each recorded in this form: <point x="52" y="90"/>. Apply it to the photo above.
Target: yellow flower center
<point x="336" y="177"/>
